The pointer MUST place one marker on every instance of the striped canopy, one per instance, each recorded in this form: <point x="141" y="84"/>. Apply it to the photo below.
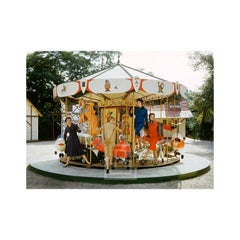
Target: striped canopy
<point x="120" y="82"/>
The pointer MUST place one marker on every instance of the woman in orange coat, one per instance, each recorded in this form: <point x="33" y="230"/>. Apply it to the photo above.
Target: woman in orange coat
<point x="153" y="136"/>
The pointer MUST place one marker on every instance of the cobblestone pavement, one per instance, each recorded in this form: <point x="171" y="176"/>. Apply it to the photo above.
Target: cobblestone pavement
<point x="43" y="151"/>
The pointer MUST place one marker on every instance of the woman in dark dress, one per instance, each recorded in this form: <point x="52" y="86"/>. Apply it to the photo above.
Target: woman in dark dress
<point x="141" y="120"/>
<point x="73" y="146"/>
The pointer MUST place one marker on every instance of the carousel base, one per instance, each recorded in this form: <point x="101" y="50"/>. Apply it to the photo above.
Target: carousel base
<point x="189" y="167"/>
<point x="125" y="164"/>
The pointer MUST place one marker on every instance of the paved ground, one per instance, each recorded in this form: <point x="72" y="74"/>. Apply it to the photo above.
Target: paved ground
<point x="43" y="151"/>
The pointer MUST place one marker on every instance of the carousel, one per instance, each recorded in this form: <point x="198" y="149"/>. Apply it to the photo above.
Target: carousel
<point x="114" y="92"/>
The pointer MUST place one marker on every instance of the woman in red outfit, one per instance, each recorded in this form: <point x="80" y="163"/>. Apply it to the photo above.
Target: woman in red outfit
<point x="153" y="136"/>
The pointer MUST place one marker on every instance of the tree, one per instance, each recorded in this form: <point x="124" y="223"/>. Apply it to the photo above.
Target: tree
<point x="202" y="101"/>
<point x="48" y="68"/>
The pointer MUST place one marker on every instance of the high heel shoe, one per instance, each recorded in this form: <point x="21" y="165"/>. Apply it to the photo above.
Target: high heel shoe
<point x="87" y="162"/>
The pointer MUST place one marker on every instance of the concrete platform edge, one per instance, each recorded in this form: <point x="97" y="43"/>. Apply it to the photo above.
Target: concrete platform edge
<point x="98" y="180"/>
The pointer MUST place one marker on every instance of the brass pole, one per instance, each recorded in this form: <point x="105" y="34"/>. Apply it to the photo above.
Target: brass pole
<point x="125" y="122"/>
<point x="174" y="113"/>
<point x="167" y="124"/>
<point x="90" y="128"/>
<point x="161" y="108"/>
<point x="133" y="133"/>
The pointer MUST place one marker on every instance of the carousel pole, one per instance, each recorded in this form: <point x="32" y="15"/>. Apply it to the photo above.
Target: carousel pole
<point x="90" y="128"/>
<point x="167" y="124"/>
<point x="174" y="114"/>
<point x="66" y="111"/>
<point x="125" y="123"/>
<point x="133" y="133"/>
<point x="103" y="115"/>
<point x="161" y="108"/>
<point x="150" y="105"/>
<point x="161" y="117"/>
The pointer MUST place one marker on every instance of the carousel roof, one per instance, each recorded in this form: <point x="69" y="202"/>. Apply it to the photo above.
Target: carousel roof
<point x="122" y="71"/>
<point x="120" y="82"/>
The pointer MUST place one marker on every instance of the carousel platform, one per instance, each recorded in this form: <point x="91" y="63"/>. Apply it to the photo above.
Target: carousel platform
<point x="180" y="169"/>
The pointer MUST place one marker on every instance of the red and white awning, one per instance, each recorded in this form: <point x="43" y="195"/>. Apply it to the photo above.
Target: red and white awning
<point x="120" y="81"/>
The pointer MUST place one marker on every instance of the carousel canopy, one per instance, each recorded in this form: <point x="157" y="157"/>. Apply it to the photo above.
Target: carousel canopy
<point x="120" y="83"/>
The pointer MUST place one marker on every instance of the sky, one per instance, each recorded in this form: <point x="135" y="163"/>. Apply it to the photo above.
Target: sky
<point x="172" y="66"/>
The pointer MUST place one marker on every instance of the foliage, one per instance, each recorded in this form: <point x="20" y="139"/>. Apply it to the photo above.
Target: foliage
<point x="201" y="102"/>
<point x="44" y="69"/>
